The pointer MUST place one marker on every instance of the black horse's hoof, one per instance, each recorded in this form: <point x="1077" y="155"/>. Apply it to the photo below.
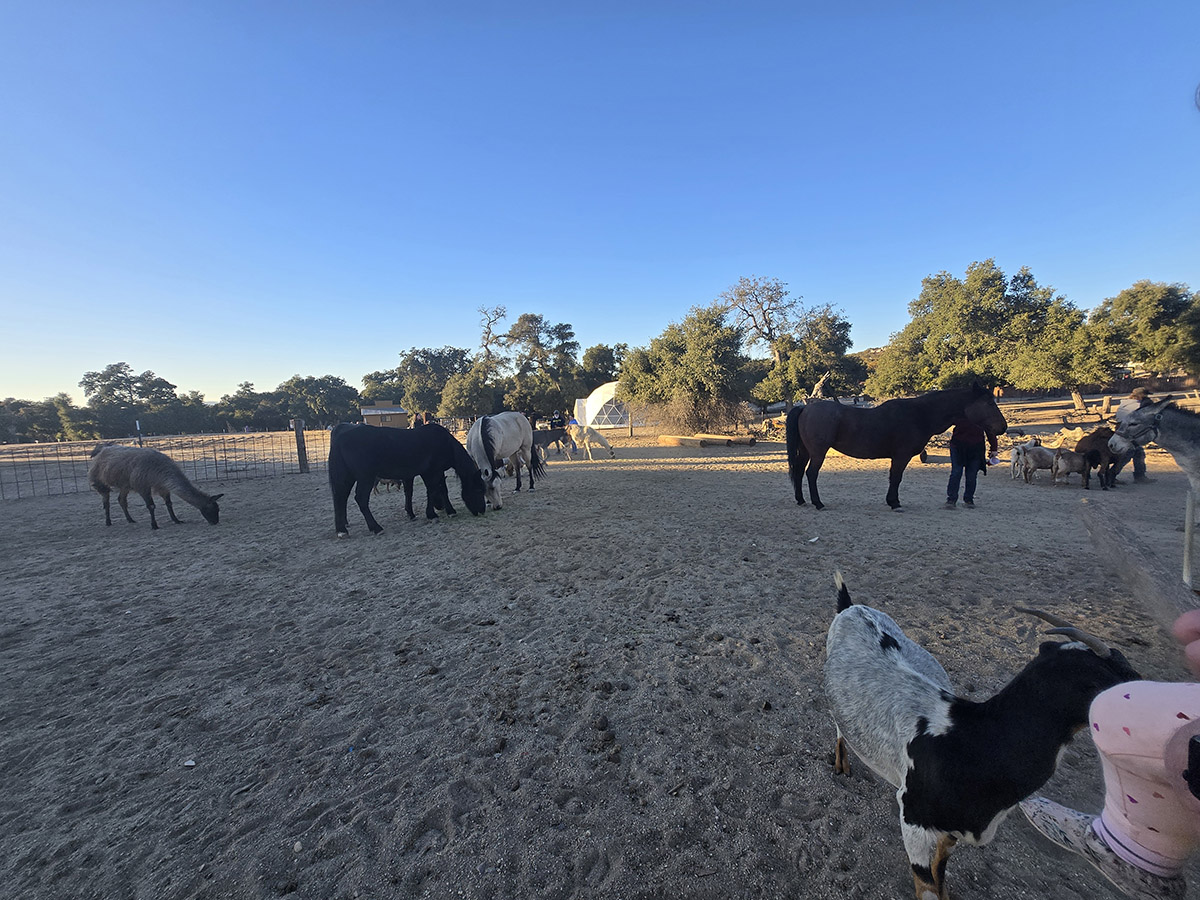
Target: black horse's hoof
<point x="818" y="506"/>
<point x="343" y="534"/>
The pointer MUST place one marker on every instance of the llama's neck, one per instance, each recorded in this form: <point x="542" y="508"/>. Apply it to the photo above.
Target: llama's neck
<point x="185" y="490"/>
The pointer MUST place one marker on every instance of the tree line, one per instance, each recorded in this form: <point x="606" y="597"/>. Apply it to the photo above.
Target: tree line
<point x="754" y="344"/>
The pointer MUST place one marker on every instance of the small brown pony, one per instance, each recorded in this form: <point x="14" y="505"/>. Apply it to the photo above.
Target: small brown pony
<point x="896" y="430"/>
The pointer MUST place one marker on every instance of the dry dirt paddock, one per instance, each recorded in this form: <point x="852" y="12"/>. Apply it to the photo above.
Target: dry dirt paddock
<point x="608" y="689"/>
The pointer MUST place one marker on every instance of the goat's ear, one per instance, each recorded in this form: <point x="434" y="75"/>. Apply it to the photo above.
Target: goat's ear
<point x="216" y="496"/>
<point x="1049" y="647"/>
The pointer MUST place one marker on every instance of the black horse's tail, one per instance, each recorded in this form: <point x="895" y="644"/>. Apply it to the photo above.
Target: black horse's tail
<point x="536" y="465"/>
<point x="796" y="454"/>
<point x="843" y="595"/>
<point x="338" y="470"/>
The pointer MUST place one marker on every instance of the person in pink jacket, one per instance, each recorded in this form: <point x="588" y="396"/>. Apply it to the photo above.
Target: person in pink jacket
<point x="1148" y="736"/>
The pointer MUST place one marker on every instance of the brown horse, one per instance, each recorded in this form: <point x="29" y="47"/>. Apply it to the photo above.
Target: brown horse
<point x="896" y="430"/>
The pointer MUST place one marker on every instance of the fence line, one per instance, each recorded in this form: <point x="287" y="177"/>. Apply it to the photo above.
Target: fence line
<point x="41" y="470"/>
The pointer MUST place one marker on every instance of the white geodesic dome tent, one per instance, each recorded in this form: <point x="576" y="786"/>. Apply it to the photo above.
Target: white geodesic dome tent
<point x="602" y="409"/>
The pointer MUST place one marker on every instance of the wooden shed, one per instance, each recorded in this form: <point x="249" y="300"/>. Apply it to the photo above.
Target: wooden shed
<point x="384" y="413"/>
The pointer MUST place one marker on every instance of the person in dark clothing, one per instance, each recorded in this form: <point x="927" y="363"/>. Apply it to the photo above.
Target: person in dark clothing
<point x="557" y="420"/>
<point x="968" y="447"/>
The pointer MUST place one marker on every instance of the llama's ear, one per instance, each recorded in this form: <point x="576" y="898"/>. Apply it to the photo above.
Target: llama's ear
<point x="216" y="496"/>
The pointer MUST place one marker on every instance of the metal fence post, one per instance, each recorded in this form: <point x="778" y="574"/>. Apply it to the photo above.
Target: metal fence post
<point x="301" y="453"/>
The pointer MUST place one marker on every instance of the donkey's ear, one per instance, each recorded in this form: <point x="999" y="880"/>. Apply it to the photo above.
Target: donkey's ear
<point x="216" y="496"/>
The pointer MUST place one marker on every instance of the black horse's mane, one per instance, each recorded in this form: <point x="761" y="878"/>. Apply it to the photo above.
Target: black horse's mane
<point x="489" y="445"/>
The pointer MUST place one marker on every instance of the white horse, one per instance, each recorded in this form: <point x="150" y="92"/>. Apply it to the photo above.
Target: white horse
<point x="492" y="439"/>
<point x="585" y="436"/>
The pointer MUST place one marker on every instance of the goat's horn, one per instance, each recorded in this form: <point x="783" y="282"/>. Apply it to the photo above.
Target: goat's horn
<point x="1049" y="617"/>
<point x="1065" y="628"/>
<point x="1097" y="646"/>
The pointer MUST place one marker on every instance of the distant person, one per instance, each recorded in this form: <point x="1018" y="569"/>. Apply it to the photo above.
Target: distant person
<point x="557" y="420"/>
<point x="416" y="422"/>
<point x="968" y="456"/>
<point x="1137" y="398"/>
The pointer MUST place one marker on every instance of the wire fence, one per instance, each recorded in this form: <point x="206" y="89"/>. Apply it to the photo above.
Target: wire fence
<point x="41" y="470"/>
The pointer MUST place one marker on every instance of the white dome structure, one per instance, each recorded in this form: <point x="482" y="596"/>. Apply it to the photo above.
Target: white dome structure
<point x="602" y="409"/>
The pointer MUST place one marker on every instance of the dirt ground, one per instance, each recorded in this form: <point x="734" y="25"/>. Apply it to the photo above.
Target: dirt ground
<point x="609" y="689"/>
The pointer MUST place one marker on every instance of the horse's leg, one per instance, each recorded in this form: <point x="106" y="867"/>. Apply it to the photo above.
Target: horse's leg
<point x="148" y="497"/>
<point x="443" y="493"/>
<point x="341" y="493"/>
<point x="408" y="489"/>
<point x="815" y="461"/>
<point x="796" y="471"/>
<point x="362" y="496"/>
<point x="123" y="499"/>
<point x="528" y="464"/>
<point x="797" y="454"/>
<point x="515" y="459"/>
<point x="895" y="473"/>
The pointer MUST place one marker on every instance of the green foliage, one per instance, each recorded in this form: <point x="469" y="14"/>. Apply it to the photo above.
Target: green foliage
<point x="319" y="400"/>
<point x="996" y="330"/>
<point x="696" y="367"/>
<point x="601" y="364"/>
<point x="804" y="343"/>
<point x="469" y="393"/>
<point x="544" y="364"/>
<point x="1158" y="322"/>
<point x="385" y="385"/>
<point x="424" y="373"/>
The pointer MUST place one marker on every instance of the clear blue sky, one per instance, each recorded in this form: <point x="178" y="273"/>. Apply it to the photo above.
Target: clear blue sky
<point x="244" y="191"/>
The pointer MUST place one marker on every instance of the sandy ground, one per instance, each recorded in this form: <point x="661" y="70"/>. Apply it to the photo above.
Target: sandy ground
<point x="609" y="689"/>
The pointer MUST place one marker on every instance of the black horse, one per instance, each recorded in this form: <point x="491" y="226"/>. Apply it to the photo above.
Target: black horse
<point x="363" y="453"/>
<point x="896" y="430"/>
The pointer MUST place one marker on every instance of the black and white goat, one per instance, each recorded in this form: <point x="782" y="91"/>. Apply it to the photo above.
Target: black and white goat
<point x="959" y="766"/>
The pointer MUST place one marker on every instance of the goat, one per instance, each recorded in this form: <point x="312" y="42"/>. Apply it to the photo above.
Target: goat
<point x="959" y="766"/>
<point x="1018" y="456"/>
<point x="1035" y="458"/>
<point x="145" y="472"/>
<point x="1067" y="462"/>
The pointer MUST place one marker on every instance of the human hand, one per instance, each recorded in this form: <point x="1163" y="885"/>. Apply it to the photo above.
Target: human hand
<point x="1187" y="632"/>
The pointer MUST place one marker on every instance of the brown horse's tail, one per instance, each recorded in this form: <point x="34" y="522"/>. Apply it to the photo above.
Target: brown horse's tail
<point x="797" y="455"/>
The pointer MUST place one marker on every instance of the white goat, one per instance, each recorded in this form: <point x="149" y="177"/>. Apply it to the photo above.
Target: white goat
<point x="1017" y="456"/>
<point x="146" y="472"/>
<point x="958" y="766"/>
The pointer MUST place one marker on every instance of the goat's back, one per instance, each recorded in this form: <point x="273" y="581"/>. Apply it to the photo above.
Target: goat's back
<point x="880" y="684"/>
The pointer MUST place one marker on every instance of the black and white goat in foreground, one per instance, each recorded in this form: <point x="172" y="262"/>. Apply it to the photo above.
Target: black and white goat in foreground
<point x="146" y="472"/>
<point x="958" y="766"/>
